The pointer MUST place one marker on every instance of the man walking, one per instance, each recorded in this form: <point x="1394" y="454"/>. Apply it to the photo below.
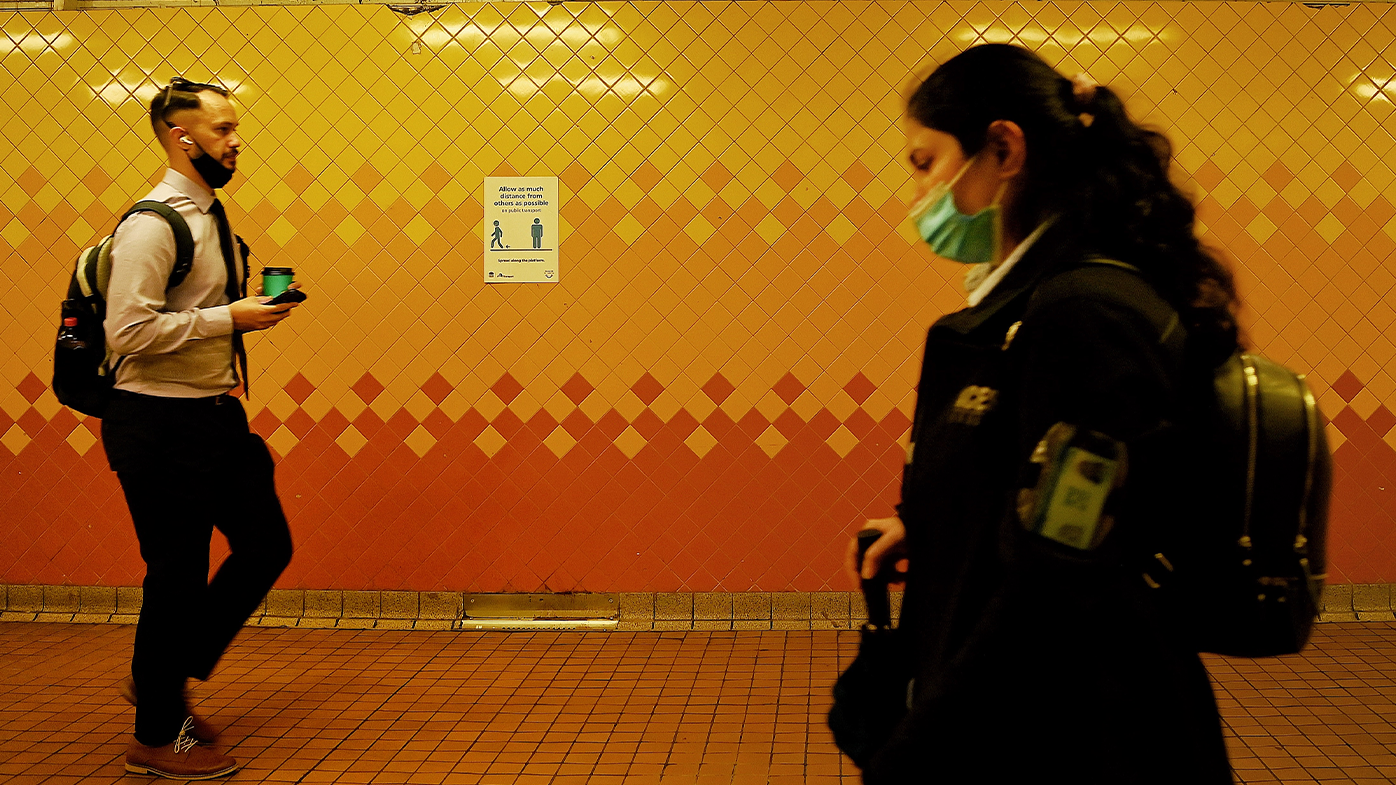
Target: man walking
<point x="178" y="442"/>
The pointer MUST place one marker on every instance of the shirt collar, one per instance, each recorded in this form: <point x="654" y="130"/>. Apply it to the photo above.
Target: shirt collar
<point x="199" y="195"/>
<point x="977" y="296"/>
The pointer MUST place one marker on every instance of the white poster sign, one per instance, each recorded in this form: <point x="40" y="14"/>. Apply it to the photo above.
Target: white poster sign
<point x="521" y="230"/>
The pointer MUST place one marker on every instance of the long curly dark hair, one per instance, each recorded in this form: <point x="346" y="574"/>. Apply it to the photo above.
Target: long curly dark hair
<point x="1106" y="180"/>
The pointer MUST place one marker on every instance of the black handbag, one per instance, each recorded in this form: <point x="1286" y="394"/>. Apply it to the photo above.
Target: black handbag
<point x="871" y="696"/>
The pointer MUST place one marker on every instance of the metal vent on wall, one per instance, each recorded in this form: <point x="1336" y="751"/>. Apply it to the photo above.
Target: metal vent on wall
<point x="530" y="612"/>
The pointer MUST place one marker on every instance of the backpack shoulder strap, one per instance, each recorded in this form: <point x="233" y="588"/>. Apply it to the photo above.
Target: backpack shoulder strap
<point x="1153" y="308"/>
<point x="1111" y="263"/>
<point x="184" y="239"/>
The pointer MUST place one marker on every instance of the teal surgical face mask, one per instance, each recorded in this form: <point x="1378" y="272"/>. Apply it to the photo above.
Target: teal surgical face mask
<point x="970" y="239"/>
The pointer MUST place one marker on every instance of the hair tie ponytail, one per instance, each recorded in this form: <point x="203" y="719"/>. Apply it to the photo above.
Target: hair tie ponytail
<point x="1083" y="90"/>
<point x="1107" y="185"/>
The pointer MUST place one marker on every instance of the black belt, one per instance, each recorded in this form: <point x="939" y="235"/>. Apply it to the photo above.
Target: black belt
<point x="212" y="400"/>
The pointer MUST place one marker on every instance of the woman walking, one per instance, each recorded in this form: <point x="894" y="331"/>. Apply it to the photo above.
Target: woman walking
<point x="1044" y="463"/>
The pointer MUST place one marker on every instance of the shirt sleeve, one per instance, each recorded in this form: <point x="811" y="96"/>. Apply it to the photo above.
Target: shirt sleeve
<point x="143" y="255"/>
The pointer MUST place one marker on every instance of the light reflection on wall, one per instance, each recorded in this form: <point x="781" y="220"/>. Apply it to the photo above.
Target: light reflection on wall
<point x="35" y="43"/>
<point x="530" y="75"/>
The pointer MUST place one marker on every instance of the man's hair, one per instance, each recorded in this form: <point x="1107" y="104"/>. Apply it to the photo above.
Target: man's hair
<point x="180" y="94"/>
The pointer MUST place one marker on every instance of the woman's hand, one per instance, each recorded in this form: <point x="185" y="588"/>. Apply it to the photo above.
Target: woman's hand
<point x="889" y="548"/>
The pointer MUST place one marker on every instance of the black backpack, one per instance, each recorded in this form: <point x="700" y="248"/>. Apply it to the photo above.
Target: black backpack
<point x="1248" y="580"/>
<point x="1243" y="570"/>
<point x="83" y="371"/>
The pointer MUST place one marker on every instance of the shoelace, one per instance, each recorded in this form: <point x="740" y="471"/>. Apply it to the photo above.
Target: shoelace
<point x="185" y="739"/>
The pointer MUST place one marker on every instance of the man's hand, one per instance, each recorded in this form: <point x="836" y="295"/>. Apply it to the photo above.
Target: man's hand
<point x="889" y="548"/>
<point x="252" y="313"/>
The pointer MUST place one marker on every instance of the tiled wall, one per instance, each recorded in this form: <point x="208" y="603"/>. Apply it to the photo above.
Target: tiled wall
<point x="717" y="388"/>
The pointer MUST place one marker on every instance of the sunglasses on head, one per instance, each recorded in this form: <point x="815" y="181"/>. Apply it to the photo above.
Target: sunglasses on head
<point x="185" y="86"/>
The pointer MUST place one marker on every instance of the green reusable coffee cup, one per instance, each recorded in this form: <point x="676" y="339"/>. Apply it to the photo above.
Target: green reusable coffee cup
<point x="275" y="280"/>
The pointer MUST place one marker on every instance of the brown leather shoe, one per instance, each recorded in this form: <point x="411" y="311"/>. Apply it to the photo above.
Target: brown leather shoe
<point x="181" y="759"/>
<point x="203" y="730"/>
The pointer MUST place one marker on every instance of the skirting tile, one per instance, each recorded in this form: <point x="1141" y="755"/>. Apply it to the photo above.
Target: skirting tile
<point x="632" y="611"/>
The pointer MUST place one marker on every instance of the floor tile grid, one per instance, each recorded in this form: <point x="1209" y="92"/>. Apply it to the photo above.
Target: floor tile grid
<point x="1325" y="716"/>
<point x="319" y="706"/>
<point x="617" y="709"/>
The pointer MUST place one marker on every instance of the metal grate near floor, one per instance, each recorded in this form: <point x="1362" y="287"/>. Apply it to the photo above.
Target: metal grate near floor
<point x="377" y="706"/>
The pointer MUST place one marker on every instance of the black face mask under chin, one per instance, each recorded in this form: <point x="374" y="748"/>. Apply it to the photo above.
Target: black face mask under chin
<point x="211" y="169"/>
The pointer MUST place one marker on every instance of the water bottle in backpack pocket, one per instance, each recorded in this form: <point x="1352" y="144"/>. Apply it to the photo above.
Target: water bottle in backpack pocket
<point x="83" y="371"/>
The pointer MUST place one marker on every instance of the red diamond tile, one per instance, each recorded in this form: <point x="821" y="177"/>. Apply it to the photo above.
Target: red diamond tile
<point x="575" y="176"/>
<point x="300" y="423"/>
<point x="31" y="387"/>
<point x="437" y="388"/>
<point x="265" y="422"/>
<point x="367" y="177"/>
<point x="648" y="424"/>
<point x="507" y="388"/>
<point x="1209" y="175"/>
<point x="647" y="211"/>
<point x="717" y="177"/>
<point x="63" y="422"/>
<point x="683" y="424"/>
<point x="435" y="176"/>
<point x="753" y="423"/>
<point x="299" y="388"/>
<point x="334" y="423"/>
<point x="859" y="388"/>
<point x="367" y="387"/>
<point x="612" y="424"/>
<point x="367" y="423"/>
<point x="788" y="211"/>
<point x="1382" y="420"/>
<point x="824" y="423"/>
<point x="1278" y="176"/>
<point x="717" y="211"/>
<point x="577" y="389"/>
<point x="647" y="388"/>
<point x="718" y="388"/>
<point x="577" y="424"/>
<point x="97" y="180"/>
<point x="647" y="176"/>
<point x="789" y="424"/>
<point x="438" y="423"/>
<point x="1347" y="176"/>
<point x="787" y="176"/>
<point x="507" y="423"/>
<point x="1347" y="386"/>
<point x="1381" y="210"/>
<point x="858" y="175"/>
<point x="541" y="423"/>
<point x="32" y="181"/>
<point x="298" y="178"/>
<point x="860" y="423"/>
<point x="789" y="388"/>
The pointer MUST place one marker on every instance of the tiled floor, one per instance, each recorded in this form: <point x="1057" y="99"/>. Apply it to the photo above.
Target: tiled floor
<point x="320" y="706"/>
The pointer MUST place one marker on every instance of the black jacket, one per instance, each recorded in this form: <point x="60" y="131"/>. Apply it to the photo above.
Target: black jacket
<point x="1038" y="662"/>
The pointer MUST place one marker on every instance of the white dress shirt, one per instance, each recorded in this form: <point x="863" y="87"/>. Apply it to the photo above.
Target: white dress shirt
<point x="980" y="292"/>
<point x="177" y="343"/>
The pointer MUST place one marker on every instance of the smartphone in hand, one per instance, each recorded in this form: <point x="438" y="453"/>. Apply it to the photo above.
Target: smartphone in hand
<point x="288" y="296"/>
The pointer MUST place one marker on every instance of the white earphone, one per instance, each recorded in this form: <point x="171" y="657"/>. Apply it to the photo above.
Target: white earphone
<point x="186" y="140"/>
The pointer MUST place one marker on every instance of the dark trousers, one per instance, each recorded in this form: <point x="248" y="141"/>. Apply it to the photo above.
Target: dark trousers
<point x="187" y="466"/>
